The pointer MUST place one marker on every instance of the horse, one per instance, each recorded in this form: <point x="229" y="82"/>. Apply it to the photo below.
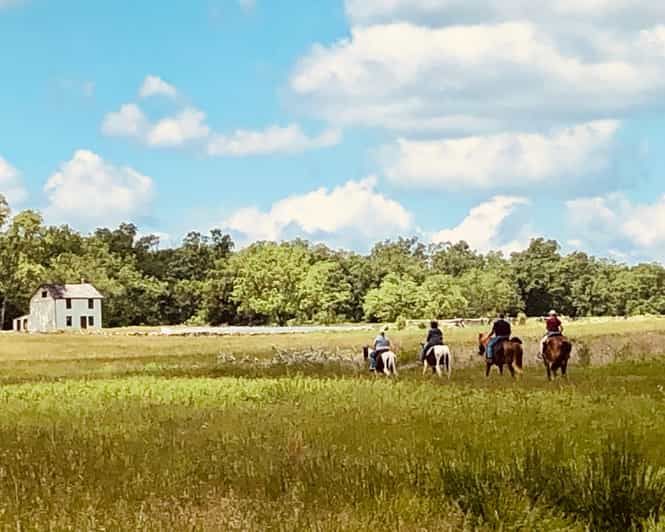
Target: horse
<point x="556" y="354"/>
<point x="438" y="357"/>
<point x="506" y="352"/>
<point x="386" y="362"/>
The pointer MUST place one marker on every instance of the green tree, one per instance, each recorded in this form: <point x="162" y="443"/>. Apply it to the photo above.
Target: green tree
<point x="454" y="259"/>
<point x="403" y="257"/>
<point x="536" y="272"/>
<point x="325" y="293"/>
<point x="489" y="292"/>
<point x="267" y="280"/>
<point x="21" y="260"/>
<point x="440" y="296"/>
<point x="396" y="297"/>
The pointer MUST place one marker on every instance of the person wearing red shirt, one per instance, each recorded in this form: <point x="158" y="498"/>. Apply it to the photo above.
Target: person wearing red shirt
<point x="554" y="328"/>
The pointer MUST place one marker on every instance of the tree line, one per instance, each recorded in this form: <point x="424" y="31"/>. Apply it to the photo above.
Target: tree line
<point x="205" y="280"/>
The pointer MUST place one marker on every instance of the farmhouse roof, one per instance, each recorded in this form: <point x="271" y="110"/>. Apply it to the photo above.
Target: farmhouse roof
<point x="72" y="291"/>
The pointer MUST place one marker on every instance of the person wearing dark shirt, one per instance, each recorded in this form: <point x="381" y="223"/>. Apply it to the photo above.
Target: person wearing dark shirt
<point x="554" y="327"/>
<point x="434" y="338"/>
<point x="501" y="330"/>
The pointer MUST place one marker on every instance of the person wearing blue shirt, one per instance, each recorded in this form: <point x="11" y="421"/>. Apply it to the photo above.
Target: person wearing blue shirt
<point x="381" y="345"/>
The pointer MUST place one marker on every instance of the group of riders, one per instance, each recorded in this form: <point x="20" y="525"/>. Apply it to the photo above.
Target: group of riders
<point x="501" y="330"/>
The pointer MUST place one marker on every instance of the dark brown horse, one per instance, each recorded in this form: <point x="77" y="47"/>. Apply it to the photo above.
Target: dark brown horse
<point x="506" y="353"/>
<point x="556" y="355"/>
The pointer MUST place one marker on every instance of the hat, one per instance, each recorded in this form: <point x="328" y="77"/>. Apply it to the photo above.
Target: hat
<point x="552" y="312"/>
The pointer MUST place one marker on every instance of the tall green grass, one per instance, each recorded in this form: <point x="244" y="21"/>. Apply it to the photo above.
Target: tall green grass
<point x="354" y="453"/>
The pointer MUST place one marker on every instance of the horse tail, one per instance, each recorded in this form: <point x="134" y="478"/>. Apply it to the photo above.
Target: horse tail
<point x="519" y="358"/>
<point x="566" y="348"/>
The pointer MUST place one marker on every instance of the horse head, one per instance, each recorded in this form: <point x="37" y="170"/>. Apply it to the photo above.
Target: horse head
<point x="482" y="343"/>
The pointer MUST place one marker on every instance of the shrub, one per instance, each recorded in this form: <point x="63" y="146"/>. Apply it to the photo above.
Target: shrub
<point x="401" y="323"/>
<point x="583" y="353"/>
<point x="521" y="318"/>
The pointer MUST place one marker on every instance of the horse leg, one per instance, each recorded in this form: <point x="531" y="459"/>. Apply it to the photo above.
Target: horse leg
<point x="449" y="369"/>
<point x="425" y="367"/>
<point x="512" y="370"/>
<point x="438" y="367"/>
<point x="564" y="370"/>
<point x="488" y="367"/>
<point x="501" y="369"/>
<point x="549" y="371"/>
<point x="555" y="367"/>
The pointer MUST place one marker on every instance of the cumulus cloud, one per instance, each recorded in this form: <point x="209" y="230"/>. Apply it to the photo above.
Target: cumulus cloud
<point x="614" y="221"/>
<point x="247" y="5"/>
<point x="483" y="228"/>
<point x="128" y="121"/>
<point x="11" y="185"/>
<point x="353" y="214"/>
<point x="274" y="139"/>
<point x="476" y="74"/>
<point x="154" y="86"/>
<point x="87" y="191"/>
<point x="186" y="126"/>
<point x="620" y="13"/>
<point x="519" y="159"/>
<point x="9" y="3"/>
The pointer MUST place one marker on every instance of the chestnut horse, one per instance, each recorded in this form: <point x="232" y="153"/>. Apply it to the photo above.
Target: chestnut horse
<point x="556" y="355"/>
<point x="506" y="352"/>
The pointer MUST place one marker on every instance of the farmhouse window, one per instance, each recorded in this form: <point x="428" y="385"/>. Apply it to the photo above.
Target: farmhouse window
<point x="44" y="293"/>
<point x="69" y="321"/>
<point x="91" y="304"/>
<point x="68" y="303"/>
<point x="91" y="321"/>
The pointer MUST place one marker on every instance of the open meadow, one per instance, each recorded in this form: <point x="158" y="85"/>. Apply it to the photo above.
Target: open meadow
<point x="117" y="432"/>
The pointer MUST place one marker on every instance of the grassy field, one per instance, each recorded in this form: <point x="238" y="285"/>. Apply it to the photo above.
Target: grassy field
<point x="151" y="433"/>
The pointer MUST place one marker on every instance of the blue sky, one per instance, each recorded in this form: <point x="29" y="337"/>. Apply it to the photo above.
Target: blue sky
<point x="343" y="121"/>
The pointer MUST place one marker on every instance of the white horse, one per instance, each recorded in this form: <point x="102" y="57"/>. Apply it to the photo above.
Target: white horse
<point x="438" y="357"/>
<point x="386" y="362"/>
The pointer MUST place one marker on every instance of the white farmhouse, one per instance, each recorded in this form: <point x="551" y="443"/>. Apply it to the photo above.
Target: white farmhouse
<point x="65" y="307"/>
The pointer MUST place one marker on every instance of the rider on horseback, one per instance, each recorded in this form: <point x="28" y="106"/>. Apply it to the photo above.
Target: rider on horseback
<point x="554" y="328"/>
<point x="381" y="345"/>
<point x="434" y="338"/>
<point x="500" y="331"/>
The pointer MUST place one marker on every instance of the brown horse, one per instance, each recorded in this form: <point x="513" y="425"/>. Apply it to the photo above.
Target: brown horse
<point x="506" y="353"/>
<point x="556" y="355"/>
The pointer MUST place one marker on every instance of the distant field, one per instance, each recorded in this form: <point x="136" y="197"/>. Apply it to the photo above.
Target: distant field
<point x="292" y="433"/>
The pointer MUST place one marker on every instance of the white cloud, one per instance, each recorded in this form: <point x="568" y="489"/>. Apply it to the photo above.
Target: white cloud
<point x="247" y="5"/>
<point x="353" y="214"/>
<point x="188" y="125"/>
<point x="507" y="159"/>
<point x="618" y="13"/>
<point x="274" y="139"/>
<point x="481" y="74"/>
<point x="483" y="228"/>
<point x="153" y="86"/>
<point x="173" y="131"/>
<point x="615" y="222"/>
<point x="11" y="185"/>
<point x="88" y="191"/>
<point x="9" y="3"/>
<point x="129" y="121"/>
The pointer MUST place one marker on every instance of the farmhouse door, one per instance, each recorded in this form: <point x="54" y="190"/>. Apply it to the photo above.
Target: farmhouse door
<point x="84" y="322"/>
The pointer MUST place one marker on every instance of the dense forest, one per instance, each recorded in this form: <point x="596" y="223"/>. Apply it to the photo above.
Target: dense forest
<point x="206" y="280"/>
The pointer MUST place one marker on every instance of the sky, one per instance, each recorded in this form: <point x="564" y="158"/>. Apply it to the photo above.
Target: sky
<point x="341" y="121"/>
